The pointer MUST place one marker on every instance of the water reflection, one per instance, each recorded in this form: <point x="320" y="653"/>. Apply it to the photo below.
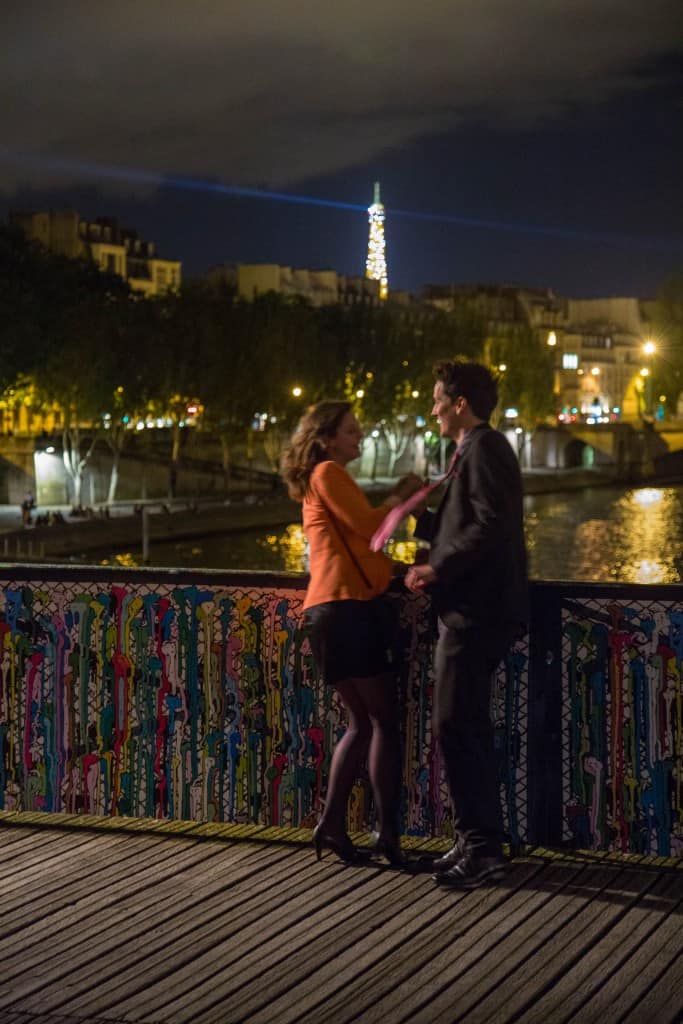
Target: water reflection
<point x="290" y="547"/>
<point x="639" y="541"/>
<point x="630" y="535"/>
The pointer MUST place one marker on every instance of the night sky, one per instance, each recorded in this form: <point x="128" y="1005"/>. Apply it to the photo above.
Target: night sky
<point x="554" y="127"/>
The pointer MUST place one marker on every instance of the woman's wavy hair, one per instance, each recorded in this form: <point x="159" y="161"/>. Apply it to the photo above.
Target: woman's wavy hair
<point x="307" y="446"/>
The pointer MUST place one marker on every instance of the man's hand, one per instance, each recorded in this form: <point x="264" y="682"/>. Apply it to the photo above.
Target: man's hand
<point x="419" y="577"/>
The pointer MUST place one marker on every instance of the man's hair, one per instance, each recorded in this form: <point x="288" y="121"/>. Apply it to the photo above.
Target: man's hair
<point x="471" y="380"/>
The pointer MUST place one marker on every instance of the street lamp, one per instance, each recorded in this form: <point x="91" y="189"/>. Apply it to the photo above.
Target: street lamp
<point x="649" y="349"/>
<point x="645" y="374"/>
<point x="297" y="391"/>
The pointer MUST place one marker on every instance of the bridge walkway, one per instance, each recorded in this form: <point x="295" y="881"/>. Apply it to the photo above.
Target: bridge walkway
<point x="123" y="920"/>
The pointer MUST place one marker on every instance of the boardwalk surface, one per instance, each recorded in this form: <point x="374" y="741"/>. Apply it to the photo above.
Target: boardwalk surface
<point x="213" y="925"/>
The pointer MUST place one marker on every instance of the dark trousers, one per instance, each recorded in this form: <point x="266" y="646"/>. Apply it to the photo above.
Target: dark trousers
<point x="464" y="664"/>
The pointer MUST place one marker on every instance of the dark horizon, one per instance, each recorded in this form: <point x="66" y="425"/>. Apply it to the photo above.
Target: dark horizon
<point x="562" y="124"/>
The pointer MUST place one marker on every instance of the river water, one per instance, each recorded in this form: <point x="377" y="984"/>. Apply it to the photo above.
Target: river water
<point x="609" y="534"/>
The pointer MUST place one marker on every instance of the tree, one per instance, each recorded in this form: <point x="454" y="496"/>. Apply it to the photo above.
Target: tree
<point x="56" y="327"/>
<point x="129" y="391"/>
<point x="527" y="382"/>
<point x="24" y="277"/>
<point x="667" y="362"/>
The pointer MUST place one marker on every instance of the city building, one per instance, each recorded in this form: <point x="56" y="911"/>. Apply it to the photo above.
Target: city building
<point x="601" y="362"/>
<point x="319" y="287"/>
<point x="112" y="248"/>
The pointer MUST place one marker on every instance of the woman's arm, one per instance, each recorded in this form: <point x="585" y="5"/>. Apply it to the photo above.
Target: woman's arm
<point x="337" y="489"/>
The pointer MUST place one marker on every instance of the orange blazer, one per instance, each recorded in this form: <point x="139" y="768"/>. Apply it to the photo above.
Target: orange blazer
<point x="334" y="576"/>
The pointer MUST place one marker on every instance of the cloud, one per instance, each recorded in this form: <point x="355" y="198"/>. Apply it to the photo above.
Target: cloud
<point x="272" y="93"/>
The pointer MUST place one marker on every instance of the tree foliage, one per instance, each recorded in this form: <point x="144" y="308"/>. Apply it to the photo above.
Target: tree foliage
<point x="667" y="363"/>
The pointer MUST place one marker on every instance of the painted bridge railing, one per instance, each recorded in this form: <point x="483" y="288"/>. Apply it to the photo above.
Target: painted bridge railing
<point x="193" y="695"/>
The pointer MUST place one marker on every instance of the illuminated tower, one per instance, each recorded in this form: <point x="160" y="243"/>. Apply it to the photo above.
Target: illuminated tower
<point x="376" y="265"/>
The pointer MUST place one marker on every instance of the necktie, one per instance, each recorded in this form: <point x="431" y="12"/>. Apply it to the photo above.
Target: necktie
<point x="391" y="520"/>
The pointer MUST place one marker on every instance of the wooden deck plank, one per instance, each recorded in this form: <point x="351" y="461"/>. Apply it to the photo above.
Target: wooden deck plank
<point x="218" y="925"/>
<point x="35" y="845"/>
<point x="150" y="937"/>
<point x="664" y="1000"/>
<point x="630" y="990"/>
<point x="623" y="942"/>
<point x="51" y="897"/>
<point x="233" y="962"/>
<point x="9" y="836"/>
<point x="170" y="896"/>
<point x="132" y="889"/>
<point x="428" y="906"/>
<point x="145" y="938"/>
<point x="600" y="902"/>
<point x="326" y="953"/>
<point x="394" y="985"/>
<point x="39" y="868"/>
<point x="480" y="949"/>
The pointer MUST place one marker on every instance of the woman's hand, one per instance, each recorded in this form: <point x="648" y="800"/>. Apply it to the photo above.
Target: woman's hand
<point x="407" y="486"/>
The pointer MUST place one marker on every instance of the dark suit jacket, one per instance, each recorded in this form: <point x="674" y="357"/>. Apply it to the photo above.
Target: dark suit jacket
<point x="477" y="537"/>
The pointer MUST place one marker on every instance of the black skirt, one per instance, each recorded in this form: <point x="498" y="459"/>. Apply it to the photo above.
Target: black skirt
<point x="352" y="639"/>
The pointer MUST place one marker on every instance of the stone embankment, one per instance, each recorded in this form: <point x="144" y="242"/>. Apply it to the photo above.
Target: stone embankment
<point x="77" y="536"/>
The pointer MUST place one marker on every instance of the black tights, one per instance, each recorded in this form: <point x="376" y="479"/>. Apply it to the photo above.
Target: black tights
<point x="372" y="731"/>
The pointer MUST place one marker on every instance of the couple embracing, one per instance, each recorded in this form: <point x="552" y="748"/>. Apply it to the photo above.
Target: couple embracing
<point x="476" y="578"/>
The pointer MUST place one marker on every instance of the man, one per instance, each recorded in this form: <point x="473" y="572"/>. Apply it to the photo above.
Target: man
<point x="477" y="578"/>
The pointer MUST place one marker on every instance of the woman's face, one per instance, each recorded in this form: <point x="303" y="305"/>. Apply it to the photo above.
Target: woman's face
<point x="344" y="446"/>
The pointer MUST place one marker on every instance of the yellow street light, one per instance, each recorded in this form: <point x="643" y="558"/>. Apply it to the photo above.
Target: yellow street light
<point x="552" y="339"/>
<point x="414" y="394"/>
<point x="297" y="391"/>
<point x="645" y="372"/>
<point x="596" y="371"/>
<point x="502" y="367"/>
<point x="360" y="393"/>
<point x="649" y="348"/>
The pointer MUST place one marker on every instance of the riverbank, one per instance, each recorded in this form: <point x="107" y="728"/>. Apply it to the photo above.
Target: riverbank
<point x="123" y="530"/>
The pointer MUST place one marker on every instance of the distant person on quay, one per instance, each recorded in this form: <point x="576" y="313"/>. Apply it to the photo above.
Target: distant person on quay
<point x="27" y="505"/>
<point x="477" y="578"/>
<point x="345" y="617"/>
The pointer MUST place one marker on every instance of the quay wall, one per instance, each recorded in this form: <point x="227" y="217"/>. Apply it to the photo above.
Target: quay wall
<point x="193" y="695"/>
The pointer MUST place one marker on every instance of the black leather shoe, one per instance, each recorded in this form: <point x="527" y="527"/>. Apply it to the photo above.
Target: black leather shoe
<point x="339" y="844"/>
<point x="443" y="864"/>
<point x="389" y="849"/>
<point x="471" y="871"/>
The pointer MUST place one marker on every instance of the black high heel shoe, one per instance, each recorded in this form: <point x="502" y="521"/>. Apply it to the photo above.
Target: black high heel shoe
<point x="339" y="844"/>
<point x="389" y="849"/>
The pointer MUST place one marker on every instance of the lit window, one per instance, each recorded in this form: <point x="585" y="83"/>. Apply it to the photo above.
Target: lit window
<point x="570" y="361"/>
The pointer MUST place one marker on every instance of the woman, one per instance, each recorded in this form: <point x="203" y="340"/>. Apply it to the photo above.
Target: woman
<point x="344" y="621"/>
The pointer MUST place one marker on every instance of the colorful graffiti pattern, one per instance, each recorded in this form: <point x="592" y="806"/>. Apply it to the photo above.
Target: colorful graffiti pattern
<point x="623" y="725"/>
<point x="203" y="703"/>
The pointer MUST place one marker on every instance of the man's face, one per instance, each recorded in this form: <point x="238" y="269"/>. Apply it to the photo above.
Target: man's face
<point x="448" y="411"/>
